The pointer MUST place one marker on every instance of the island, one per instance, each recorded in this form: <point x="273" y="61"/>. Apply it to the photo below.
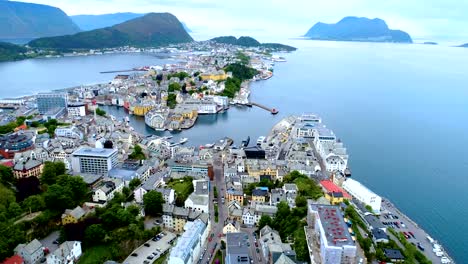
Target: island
<point x="430" y="43"/>
<point x="464" y="45"/>
<point x="251" y="42"/>
<point x="357" y="29"/>
<point x="153" y="29"/>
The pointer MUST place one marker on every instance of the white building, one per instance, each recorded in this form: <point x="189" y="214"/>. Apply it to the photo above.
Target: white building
<point x="248" y="217"/>
<point x="199" y="199"/>
<point x="76" y="109"/>
<point x="363" y="194"/>
<point x="68" y="132"/>
<point x="190" y="244"/>
<point x="31" y="253"/>
<point x="167" y="194"/>
<point x="107" y="189"/>
<point x="336" y="244"/>
<point x="94" y="160"/>
<point x="68" y="253"/>
<point x="333" y="154"/>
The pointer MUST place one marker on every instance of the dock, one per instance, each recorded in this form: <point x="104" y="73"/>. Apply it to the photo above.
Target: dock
<point x="273" y="111"/>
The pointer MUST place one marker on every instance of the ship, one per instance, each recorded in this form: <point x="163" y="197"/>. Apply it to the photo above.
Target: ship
<point x="245" y="142"/>
<point x="183" y="140"/>
<point x="260" y="140"/>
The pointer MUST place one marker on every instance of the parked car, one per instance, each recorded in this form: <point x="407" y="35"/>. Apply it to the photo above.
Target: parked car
<point x="134" y="255"/>
<point x="146" y="244"/>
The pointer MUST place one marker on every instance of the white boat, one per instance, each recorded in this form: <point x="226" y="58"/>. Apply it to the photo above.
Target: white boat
<point x="209" y="145"/>
<point x="183" y="140"/>
<point x="260" y="140"/>
<point x="430" y="239"/>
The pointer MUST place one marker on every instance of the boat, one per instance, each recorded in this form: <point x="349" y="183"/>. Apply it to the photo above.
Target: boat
<point x="229" y="141"/>
<point x="245" y="142"/>
<point x="260" y="140"/>
<point x="183" y="140"/>
<point x="209" y="145"/>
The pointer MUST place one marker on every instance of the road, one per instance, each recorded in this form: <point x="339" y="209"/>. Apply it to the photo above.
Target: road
<point x="48" y="241"/>
<point x="216" y="228"/>
<point x="256" y="257"/>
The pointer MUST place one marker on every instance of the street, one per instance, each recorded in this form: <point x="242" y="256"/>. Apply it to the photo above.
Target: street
<point x="256" y="257"/>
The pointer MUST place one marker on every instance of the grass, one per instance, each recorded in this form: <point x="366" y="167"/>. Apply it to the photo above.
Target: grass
<point x="183" y="188"/>
<point x="218" y="256"/>
<point x="216" y="213"/>
<point x="94" y="255"/>
<point x="162" y="259"/>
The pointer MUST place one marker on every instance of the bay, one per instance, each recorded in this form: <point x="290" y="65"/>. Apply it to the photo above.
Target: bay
<point x="401" y="110"/>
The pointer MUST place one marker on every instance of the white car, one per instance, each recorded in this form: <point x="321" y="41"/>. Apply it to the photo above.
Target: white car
<point x="445" y="260"/>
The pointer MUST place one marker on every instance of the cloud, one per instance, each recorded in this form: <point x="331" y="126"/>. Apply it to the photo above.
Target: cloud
<point x="287" y="18"/>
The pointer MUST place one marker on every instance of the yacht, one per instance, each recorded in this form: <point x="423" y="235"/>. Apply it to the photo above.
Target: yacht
<point x="260" y="140"/>
<point x="183" y="140"/>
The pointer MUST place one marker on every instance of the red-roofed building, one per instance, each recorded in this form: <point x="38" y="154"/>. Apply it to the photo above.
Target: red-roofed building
<point x="334" y="193"/>
<point x="22" y="127"/>
<point x="9" y="163"/>
<point x="14" y="260"/>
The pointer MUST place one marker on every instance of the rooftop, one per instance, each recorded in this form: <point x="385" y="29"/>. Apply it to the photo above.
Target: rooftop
<point x="189" y="239"/>
<point x="336" y="230"/>
<point x="237" y="249"/>
<point x="94" y="152"/>
<point x="330" y="187"/>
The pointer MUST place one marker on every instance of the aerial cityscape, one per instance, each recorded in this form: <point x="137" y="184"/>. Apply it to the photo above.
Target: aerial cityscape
<point x="133" y="136"/>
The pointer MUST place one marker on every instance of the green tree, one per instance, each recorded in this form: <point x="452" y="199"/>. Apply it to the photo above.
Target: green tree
<point x="135" y="182"/>
<point x="300" y="246"/>
<point x="67" y="193"/>
<point x="174" y="87"/>
<point x="60" y="168"/>
<point x="33" y="203"/>
<point x="301" y="201"/>
<point x="49" y="175"/>
<point x="6" y="175"/>
<point x="100" y="112"/>
<point x="153" y="202"/>
<point x="137" y="153"/>
<point x="265" y="220"/>
<point x="94" y="234"/>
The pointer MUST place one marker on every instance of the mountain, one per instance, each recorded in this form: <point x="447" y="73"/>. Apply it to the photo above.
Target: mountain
<point x="358" y="29"/>
<point x="186" y="28"/>
<point x="153" y="29"/>
<point x="9" y="52"/>
<point x="90" y="22"/>
<point x="20" y="20"/>
<point x="251" y="42"/>
<point x="464" y="45"/>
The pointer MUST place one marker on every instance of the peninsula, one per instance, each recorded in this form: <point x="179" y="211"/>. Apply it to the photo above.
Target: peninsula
<point x="357" y="29"/>
<point x="251" y="42"/>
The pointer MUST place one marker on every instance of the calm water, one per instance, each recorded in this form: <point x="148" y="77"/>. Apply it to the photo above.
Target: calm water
<point x="401" y="110"/>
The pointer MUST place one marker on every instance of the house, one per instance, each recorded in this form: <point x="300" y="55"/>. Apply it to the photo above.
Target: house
<point x="68" y="253"/>
<point x="264" y="209"/>
<point x="379" y="236"/>
<point x="14" y="260"/>
<point x="235" y="211"/>
<point x="168" y="220"/>
<point x="31" y="253"/>
<point x="277" y="195"/>
<point x="394" y="255"/>
<point x="150" y="184"/>
<point x="248" y="217"/>
<point x="73" y="216"/>
<point x="105" y="192"/>
<point x="333" y="193"/>
<point x="199" y="199"/>
<point x="273" y="248"/>
<point x="231" y="227"/>
<point x="27" y="168"/>
<point x="259" y="195"/>
<point x="235" y="195"/>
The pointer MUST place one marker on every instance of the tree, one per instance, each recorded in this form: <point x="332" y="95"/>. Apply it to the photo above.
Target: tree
<point x="49" y="175"/>
<point x="6" y="175"/>
<point x="67" y="193"/>
<point x="27" y="187"/>
<point x="60" y="168"/>
<point x="137" y="153"/>
<point x="33" y="203"/>
<point x="153" y="202"/>
<point x="300" y="246"/>
<point x="100" y="112"/>
<point x="265" y="220"/>
<point x="174" y="87"/>
<point x="135" y="182"/>
<point x="301" y="201"/>
<point x="94" y="234"/>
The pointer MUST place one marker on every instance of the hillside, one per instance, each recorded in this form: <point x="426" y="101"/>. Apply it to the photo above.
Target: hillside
<point x="90" y="22"/>
<point x="27" y="21"/>
<point x="358" y="29"/>
<point x="9" y="52"/>
<point x="251" y="42"/>
<point x="153" y="29"/>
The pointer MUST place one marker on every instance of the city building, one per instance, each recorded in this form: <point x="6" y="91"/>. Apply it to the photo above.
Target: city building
<point x="333" y="193"/>
<point x="15" y="143"/>
<point x="235" y="195"/>
<point x="199" y="199"/>
<point x="105" y="192"/>
<point x="394" y="255"/>
<point x="73" y="216"/>
<point x="273" y="248"/>
<point x="190" y="243"/>
<point x="67" y="253"/>
<point x="231" y="227"/>
<point x="52" y="103"/>
<point x="363" y="194"/>
<point x="379" y="236"/>
<point x="335" y="241"/>
<point x="76" y="109"/>
<point x="259" y="195"/>
<point x="94" y="160"/>
<point x="237" y="248"/>
<point x="27" y="168"/>
<point x="68" y="132"/>
<point x="31" y="253"/>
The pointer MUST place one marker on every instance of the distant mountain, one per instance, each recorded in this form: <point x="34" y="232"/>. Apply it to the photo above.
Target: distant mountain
<point x="464" y="45"/>
<point x="10" y="52"/>
<point x="251" y="42"/>
<point x="153" y="29"/>
<point x="358" y="29"/>
<point x="20" y="20"/>
<point x="90" y="22"/>
<point x="430" y="43"/>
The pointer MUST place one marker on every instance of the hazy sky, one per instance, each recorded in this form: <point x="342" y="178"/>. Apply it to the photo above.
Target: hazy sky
<point x="439" y="19"/>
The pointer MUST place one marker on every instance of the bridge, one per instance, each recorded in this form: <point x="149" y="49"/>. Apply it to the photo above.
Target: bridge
<point x="273" y="111"/>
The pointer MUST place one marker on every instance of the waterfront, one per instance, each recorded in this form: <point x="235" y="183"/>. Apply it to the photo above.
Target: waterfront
<point x="399" y="109"/>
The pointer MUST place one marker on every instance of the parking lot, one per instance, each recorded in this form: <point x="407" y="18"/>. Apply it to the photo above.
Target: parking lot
<point x="152" y="249"/>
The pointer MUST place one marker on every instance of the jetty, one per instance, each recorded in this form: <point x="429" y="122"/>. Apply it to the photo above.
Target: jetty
<point x="273" y="111"/>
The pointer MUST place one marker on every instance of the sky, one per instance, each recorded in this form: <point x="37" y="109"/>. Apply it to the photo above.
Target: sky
<point x="425" y="19"/>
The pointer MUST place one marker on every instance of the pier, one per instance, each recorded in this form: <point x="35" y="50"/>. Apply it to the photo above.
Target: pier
<point x="117" y="71"/>
<point x="273" y="111"/>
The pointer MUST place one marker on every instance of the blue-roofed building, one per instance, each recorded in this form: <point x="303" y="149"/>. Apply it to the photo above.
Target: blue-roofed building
<point x="189" y="245"/>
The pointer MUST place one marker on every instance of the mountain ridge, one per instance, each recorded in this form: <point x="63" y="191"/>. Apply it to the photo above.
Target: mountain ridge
<point x="152" y="29"/>
<point x="246" y="41"/>
<point x="357" y="29"/>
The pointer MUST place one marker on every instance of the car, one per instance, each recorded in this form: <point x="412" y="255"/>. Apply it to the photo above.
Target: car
<point x="256" y="244"/>
<point x="411" y="234"/>
<point x="155" y="253"/>
<point x="56" y="242"/>
<point x="150" y="257"/>
<point x="146" y="245"/>
<point x="258" y="250"/>
<point x="146" y="262"/>
<point x="134" y="255"/>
